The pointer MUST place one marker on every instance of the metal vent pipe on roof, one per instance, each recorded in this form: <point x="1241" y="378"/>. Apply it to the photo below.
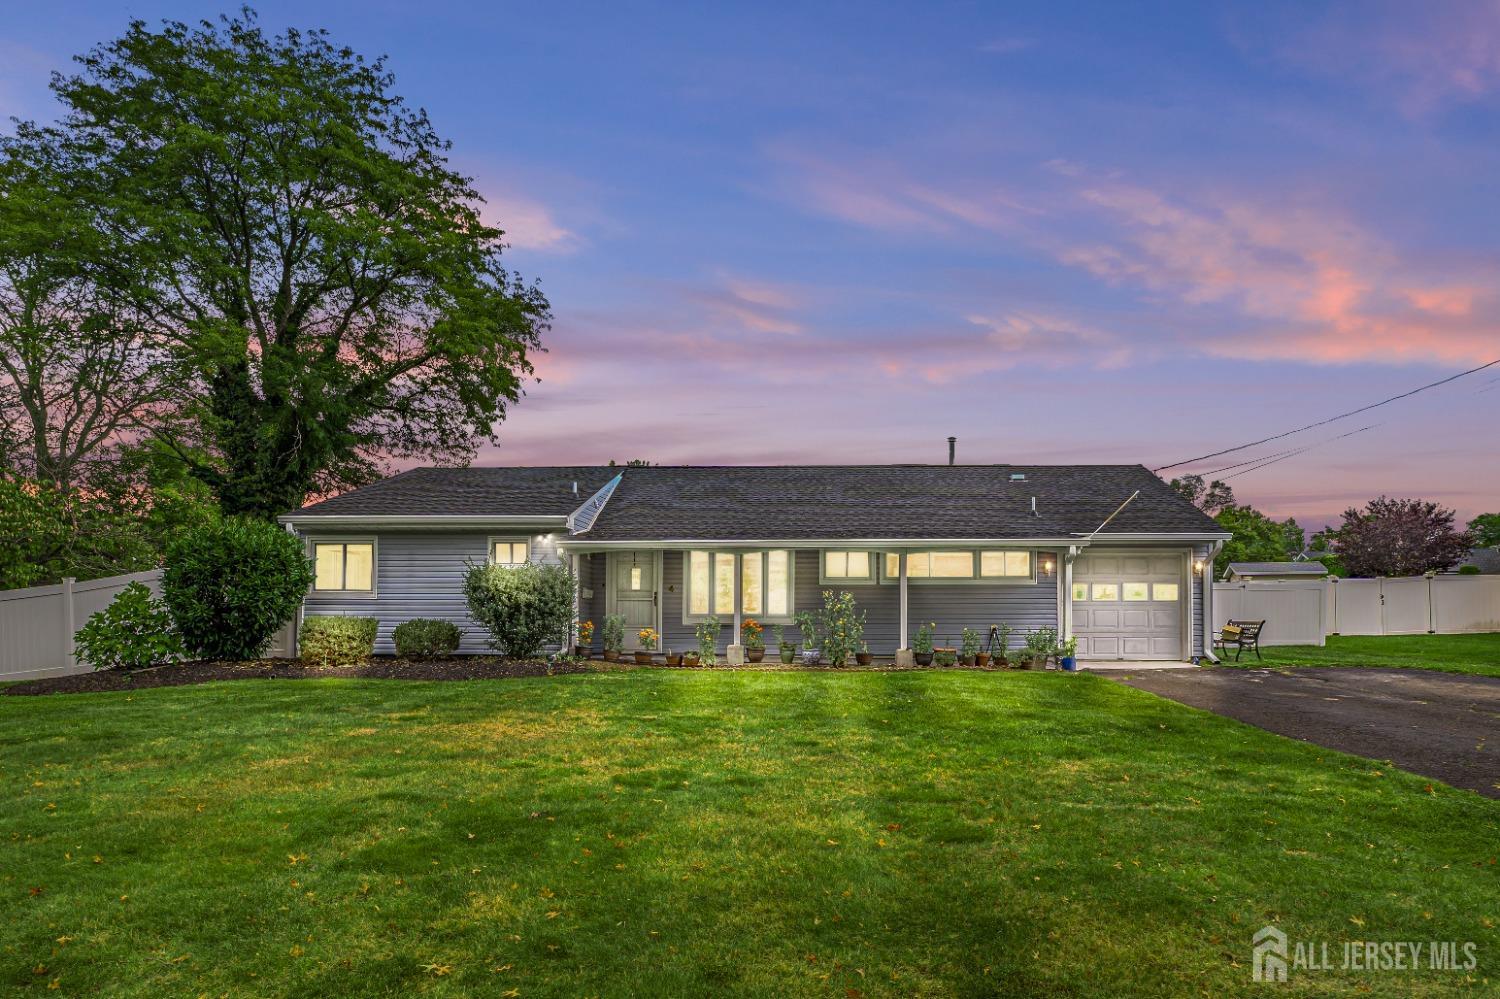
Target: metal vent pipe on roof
<point x="952" y="445"/>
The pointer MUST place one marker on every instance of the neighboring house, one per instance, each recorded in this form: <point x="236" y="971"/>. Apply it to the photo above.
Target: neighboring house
<point x="666" y="547"/>
<point x="1486" y="560"/>
<point x="1241" y="572"/>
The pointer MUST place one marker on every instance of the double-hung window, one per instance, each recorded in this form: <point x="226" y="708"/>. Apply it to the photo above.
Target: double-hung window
<point x="848" y="567"/>
<point x="344" y="566"/>
<point x="509" y="551"/>
<point x="765" y="585"/>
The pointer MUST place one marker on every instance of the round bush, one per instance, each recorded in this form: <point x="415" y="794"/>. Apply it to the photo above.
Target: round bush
<point x="231" y="585"/>
<point x="328" y="640"/>
<point x="423" y="637"/>
<point x="133" y="632"/>
<point x="523" y="607"/>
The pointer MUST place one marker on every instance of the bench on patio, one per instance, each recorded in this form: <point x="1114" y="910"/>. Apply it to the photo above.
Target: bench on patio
<point x="1241" y="635"/>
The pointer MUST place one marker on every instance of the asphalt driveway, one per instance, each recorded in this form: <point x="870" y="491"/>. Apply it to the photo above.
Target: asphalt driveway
<point x="1442" y="725"/>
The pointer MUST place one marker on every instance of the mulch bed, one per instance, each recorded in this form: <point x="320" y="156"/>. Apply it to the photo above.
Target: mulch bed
<point x="381" y="668"/>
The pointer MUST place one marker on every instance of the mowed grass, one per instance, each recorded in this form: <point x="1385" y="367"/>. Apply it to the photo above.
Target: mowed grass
<point x="654" y="833"/>
<point x="1476" y="654"/>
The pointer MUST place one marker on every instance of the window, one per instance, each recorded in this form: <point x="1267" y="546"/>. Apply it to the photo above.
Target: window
<point x="344" y="565"/>
<point x="1080" y="591"/>
<point x="1164" y="591"/>
<point x="1005" y="564"/>
<point x="955" y="566"/>
<point x="508" y="552"/>
<point x="765" y="585"/>
<point x="1106" y="591"/>
<point x="1137" y="591"/>
<point x="635" y="577"/>
<point x="846" y="566"/>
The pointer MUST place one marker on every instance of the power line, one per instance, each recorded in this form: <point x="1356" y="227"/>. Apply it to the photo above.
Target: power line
<point x="1290" y="451"/>
<point x="1260" y="463"/>
<point x="1331" y="419"/>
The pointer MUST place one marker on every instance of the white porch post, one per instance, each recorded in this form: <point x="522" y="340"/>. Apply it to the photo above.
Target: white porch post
<point x="735" y="653"/>
<point x="577" y="562"/>
<point x="1065" y="577"/>
<point x="903" y="652"/>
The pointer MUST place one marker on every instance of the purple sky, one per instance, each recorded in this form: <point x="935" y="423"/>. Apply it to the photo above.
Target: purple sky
<point x="1092" y="232"/>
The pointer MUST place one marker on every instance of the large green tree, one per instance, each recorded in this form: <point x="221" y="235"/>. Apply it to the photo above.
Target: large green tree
<point x="1486" y="530"/>
<point x="294" y="236"/>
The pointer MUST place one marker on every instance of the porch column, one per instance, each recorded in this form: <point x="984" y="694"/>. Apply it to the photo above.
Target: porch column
<point x="734" y="654"/>
<point x="577" y="564"/>
<point x="903" y="650"/>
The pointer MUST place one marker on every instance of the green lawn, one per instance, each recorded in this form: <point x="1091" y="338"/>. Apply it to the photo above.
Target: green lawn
<point x="687" y="833"/>
<point x="1477" y="654"/>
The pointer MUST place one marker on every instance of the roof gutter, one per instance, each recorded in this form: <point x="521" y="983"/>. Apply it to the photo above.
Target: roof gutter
<point x="421" y="520"/>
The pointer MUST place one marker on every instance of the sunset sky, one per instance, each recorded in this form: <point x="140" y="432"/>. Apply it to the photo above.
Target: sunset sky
<point x="1061" y="232"/>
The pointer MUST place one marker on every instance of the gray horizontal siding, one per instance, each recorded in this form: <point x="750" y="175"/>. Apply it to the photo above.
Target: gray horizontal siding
<point x="419" y="574"/>
<point x="1200" y="625"/>
<point x="952" y="607"/>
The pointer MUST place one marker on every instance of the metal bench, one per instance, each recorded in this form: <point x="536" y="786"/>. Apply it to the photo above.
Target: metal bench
<point x="1241" y="635"/>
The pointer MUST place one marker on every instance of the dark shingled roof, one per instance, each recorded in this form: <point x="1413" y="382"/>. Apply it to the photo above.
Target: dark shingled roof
<point x="470" y="492"/>
<point x="1278" y="568"/>
<point x="728" y="503"/>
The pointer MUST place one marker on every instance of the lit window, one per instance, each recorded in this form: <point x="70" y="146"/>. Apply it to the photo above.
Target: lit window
<point x="635" y="577"/>
<point x="951" y="565"/>
<point x="846" y="565"/>
<point x="1005" y="564"/>
<point x="1137" y="591"/>
<point x="765" y="584"/>
<point x="1080" y="591"/>
<point x="510" y="552"/>
<point x="1164" y="591"/>
<point x="1106" y="591"/>
<point x="344" y="566"/>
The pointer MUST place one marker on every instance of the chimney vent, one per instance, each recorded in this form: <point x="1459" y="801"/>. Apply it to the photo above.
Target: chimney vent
<point x="575" y="487"/>
<point x="952" y="446"/>
<point x="1033" y="507"/>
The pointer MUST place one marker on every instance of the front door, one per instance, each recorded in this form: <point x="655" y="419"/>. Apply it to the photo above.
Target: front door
<point x="633" y="589"/>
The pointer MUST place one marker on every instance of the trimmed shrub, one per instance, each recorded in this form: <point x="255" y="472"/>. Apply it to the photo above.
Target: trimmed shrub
<point x="1468" y="570"/>
<point x="133" y="632"/>
<point x="328" y="640"/>
<point x="423" y="637"/>
<point x="523" y="607"/>
<point x="232" y="584"/>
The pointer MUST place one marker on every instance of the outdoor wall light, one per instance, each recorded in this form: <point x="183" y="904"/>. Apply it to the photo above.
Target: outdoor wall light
<point x="1198" y="566"/>
<point x="1046" y="567"/>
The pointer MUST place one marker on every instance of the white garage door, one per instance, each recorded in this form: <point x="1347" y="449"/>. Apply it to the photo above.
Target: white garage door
<point x="1128" y="605"/>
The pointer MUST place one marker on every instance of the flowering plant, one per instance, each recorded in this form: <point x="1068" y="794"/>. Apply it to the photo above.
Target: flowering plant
<point x="647" y="638"/>
<point x="751" y="632"/>
<point x="585" y="632"/>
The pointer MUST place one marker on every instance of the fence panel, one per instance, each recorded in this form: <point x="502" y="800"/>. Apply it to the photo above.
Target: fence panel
<point x="1405" y="606"/>
<point x="1463" y="604"/>
<point x="1356" y="604"/>
<point x="1293" y="611"/>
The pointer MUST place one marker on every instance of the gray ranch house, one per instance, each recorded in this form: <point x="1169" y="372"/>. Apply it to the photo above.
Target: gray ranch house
<point x="1031" y="546"/>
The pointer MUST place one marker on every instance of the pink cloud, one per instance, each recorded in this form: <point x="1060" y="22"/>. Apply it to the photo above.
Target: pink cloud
<point x="528" y="224"/>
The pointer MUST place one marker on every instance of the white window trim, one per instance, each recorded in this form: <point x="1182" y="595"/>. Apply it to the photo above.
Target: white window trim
<point x="489" y="547"/>
<point x="974" y="580"/>
<point x="372" y="541"/>
<point x="727" y="618"/>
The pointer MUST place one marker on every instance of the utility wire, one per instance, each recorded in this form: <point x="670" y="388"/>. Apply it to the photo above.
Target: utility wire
<point x="1290" y="451"/>
<point x="1273" y="459"/>
<point x="1331" y="419"/>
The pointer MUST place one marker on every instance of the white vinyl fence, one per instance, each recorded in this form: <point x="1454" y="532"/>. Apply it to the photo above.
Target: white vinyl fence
<point x="1302" y="612"/>
<point x="37" y="624"/>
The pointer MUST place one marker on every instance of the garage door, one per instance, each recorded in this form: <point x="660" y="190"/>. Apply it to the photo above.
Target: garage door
<point x="1128" y="605"/>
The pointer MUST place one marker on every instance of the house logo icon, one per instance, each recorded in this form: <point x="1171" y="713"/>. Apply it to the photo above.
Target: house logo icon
<point x="1269" y="955"/>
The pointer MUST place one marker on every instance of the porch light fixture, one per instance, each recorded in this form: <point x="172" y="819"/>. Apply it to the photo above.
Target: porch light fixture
<point x="1198" y="566"/>
<point x="1047" y="566"/>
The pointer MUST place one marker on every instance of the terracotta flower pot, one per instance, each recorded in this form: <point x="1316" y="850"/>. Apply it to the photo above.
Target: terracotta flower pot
<point x="611" y="655"/>
<point x="755" y="655"/>
<point x="690" y="659"/>
<point x="863" y="658"/>
<point x="923" y="658"/>
<point x="982" y="660"/>
<point x="581" y="650"/>
<point x="674" y="659"/>
<point x="643" y="658"/>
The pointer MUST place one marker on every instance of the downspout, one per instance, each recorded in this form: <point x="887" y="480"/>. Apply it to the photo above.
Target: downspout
<point x="1208" y="602"/>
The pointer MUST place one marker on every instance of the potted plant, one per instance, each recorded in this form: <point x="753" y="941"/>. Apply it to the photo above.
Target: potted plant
<point x="585" y="638"/>
<point x="690" y="658"/>
<point x="807" y="623"/>
<point x="863" y="656"/>
<point x="673" y="658"/>
<point x="752" y="637"/>
<point x="968" y="647"/>
<point x="921" y="644"/>
<point x="647" y="637"/>
<point x="1040" y="645"/>
<point x="708" y="639"/>
<point x="614" y="636"/>
<point x="842" y="627"/>
<point x="1067" y="654"/>
<point x="944" y="656"/>
<point x="787" y="650"/>
<point x="1002" y="644"/>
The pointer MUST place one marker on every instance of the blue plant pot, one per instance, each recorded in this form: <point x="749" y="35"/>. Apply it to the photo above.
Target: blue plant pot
<point x="1069" y="663"/>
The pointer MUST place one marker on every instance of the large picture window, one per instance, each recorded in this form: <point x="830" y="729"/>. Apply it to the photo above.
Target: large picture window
<point x="765" y="585"/>
<point x="344" y="566"/>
